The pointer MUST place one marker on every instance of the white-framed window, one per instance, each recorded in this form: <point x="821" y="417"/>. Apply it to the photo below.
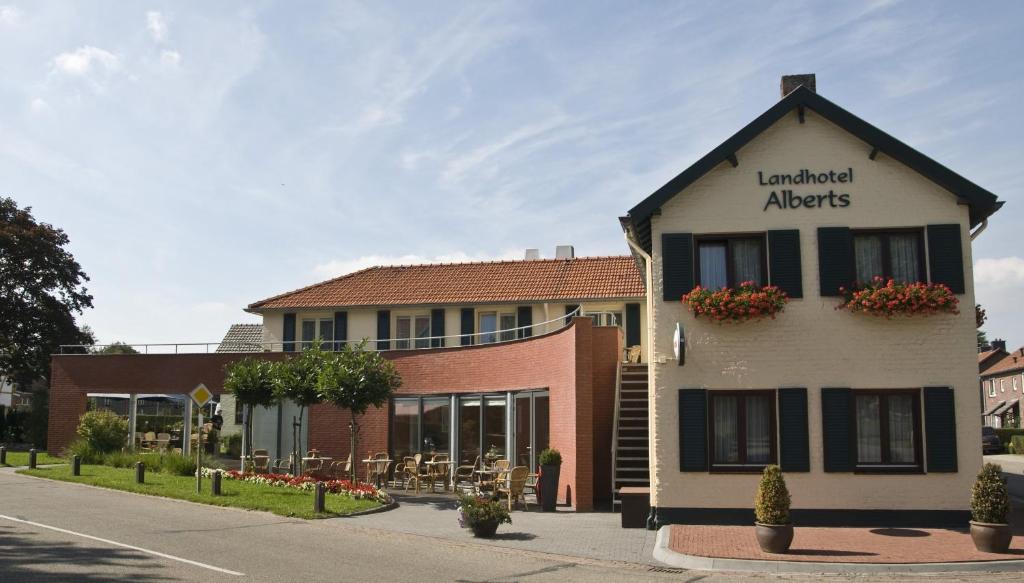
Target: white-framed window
<point x="1002" y="385"/>
<point x="313" y="329"/>
<point x="497" y="325"/>
<point x="1015" y="379"/>
<point x="508" y="326"/>
<point x="991" y="387"/>
<point x="408" y="328"/>
<point x="605" y="318"/>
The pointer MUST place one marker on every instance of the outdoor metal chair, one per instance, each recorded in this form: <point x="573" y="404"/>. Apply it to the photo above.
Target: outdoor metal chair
<point x="466" y="475"/>
<point x="283" y="465"/>
<point x="513" y="484"/>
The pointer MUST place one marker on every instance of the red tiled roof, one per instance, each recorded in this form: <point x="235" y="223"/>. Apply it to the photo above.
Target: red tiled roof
<point x="1011" y="362"/>
<point x="983" y="355"/>
<point x="471" y="283"/>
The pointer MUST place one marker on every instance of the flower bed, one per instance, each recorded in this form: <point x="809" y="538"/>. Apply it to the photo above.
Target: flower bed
<point x="341" y="487"/>
<point x="888" y="299"/>
<point x="746" y="302"/>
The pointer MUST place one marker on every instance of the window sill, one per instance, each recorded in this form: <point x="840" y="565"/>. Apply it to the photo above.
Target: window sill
<point x="883" y="470"/>
<point x="737" y="469"/>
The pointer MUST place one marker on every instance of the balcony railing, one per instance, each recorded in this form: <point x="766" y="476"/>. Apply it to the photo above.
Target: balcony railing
<point x="381" y="344"/>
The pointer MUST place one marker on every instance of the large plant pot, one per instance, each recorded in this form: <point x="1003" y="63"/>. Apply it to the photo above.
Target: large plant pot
<point x="774" y="538"/>
<point x="485" y="529"/>
<point x="549" y="487"/>
<point x="991" y="538"/>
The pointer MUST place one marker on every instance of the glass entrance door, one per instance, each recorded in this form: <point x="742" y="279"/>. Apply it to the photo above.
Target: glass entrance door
<point x="531" y="427"/>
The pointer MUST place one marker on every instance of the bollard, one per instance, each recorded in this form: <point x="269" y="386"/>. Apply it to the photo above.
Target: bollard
<point x="318" y="498"/>
<point x="215" y="483"/>
<point x="140" y="473"/>
<point x="76" y="466"/>
<point x="32" y="458"/>
<point x="3" y="455"/>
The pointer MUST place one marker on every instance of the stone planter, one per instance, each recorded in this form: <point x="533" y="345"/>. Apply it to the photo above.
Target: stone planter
<point x="549" y="487"/>
<point x="774" y="538"/>
<point x="991" y="538"/>
<point x="485" y="529"/>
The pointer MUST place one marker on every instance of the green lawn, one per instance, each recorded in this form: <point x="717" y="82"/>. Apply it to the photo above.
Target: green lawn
<point x="276" y="499"/>
<point x="20" y="458"/>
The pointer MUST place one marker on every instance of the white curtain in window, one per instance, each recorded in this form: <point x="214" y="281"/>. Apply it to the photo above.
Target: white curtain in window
<point x="869" y="430"/>
<point x="746" y="261"/>
<point x="758" y="429"/>
<point x="726" y="430"/>
<point x="712" y="266"/>
<point x="901" y="429"/>
<point x="903" y="255"/>
<point x="867" y="250"/>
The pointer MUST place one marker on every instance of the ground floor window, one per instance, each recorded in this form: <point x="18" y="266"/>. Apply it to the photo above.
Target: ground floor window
<point x="420" y="425"/>
<point x="741" y="429"/>
<point x="888" y="430"/>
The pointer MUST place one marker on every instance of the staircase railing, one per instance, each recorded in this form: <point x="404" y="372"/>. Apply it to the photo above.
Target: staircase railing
<point x="615" y="425"/>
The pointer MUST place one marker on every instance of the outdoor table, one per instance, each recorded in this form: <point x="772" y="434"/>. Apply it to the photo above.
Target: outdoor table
<point x="430" y="466"/>
<point x="486" y="472"/>
<point x="370" y="461"/>
<point x="326" y="460"/>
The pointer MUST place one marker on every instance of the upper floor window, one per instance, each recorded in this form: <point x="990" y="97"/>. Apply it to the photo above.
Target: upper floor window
<point x="318" y="329"/>
<point x="1015" y="383"/>
<point x="1002" y="385"/>
<point x="888" y="430"/>
<point x="741" y="429"/>
<point x="605" y="318"/>
<point x="730" y="260"/>
<point x="893" y="254"/>
<point x="409" y="327"/>
<point x="991" y="387"/>
<point x="497" y="325"/>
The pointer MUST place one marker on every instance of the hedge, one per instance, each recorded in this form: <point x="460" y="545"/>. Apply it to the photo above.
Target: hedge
<point x="1006" y="434"/>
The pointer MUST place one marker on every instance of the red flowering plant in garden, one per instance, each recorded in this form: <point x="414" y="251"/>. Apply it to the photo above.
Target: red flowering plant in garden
<point x="889" y="298"/>
<point x="358" y="491"/>
<point x="746" y="302"/>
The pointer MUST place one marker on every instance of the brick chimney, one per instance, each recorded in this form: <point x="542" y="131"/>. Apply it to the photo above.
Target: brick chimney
<point x="791" y="82"/>
<point x="998" y="345"/>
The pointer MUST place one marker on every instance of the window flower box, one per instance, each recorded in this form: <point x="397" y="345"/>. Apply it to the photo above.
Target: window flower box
<point x="889" y="298"/>
<point x="746" y="302"/>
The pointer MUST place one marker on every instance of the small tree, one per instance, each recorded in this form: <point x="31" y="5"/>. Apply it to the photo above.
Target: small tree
<point x="296" y="380"/>
<point x="356" y="379"/>
<point x="117" y="348"/>
<point x="990" y="501"/>
<point x="251" y="381"/>
<point x="771" y="505"/>
<point x="104" y="430"/>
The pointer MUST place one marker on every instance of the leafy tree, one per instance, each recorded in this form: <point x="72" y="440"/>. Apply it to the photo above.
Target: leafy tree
<point x="979" y="319"/>
<point x="296" y="380"/>
<point x="117" y="348"/>
<point x="251" y="381"/>
<point x="356" y="379"/>
<point x="104" y="431"/>
<point x="41" y="291"/>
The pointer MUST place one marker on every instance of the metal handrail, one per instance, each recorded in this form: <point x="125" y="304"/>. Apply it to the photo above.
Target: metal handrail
<point x="329" y="345"/>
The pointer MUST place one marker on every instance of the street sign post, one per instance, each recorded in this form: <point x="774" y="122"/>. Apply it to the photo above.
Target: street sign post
<point x="200" y="396"/>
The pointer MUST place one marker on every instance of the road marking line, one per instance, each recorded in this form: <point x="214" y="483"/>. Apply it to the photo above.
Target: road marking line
<point x="122" y="545"/>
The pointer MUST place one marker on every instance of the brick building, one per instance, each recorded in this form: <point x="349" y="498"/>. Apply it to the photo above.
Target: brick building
<point x="1002" y="385"/>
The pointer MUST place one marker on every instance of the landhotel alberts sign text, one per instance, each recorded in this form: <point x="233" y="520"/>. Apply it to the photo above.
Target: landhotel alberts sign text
<point x="787" y="199"/>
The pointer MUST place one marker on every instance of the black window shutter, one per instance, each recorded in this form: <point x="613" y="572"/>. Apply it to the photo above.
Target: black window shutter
<point x="632" y="324"/>
<point x="940" y="429"/>
<point x="945" y="256"/>
<point x="437" y="327"/>
<point x="383" y="329"/>
<point x="568" y="311"/>
<point x="524" y="317"/>
<point x="693" y="430"/>
<point x="794" y="449"/>
<point x="676" y="265"/>
<point x="836" y="430"/>
<point x="835" y="259"/>
<point x="784" y="262"/>
<point x="288" y="333"/>
<point x="467" y="326"/>
<point x="340" y="329"/>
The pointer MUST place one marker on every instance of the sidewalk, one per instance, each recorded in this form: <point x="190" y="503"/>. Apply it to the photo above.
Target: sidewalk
<point x="592" y="535"/>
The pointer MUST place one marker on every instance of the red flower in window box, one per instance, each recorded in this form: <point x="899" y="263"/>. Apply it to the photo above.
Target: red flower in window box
<point x="746" y="302"/>
<point x="888" y="298"/>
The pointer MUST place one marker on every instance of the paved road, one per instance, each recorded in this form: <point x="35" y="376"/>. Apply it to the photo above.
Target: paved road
<point x="263" y="547"/>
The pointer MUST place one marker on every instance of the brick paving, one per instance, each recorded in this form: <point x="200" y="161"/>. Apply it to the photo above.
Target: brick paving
<point x="840" y="545"/>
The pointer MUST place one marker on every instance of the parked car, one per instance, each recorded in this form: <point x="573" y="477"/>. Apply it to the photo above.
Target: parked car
<point x="990" y="442"/>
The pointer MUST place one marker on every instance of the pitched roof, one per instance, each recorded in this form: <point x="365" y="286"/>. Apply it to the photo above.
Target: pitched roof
<point x="242" y="338"/>
<point x="988" y="358"/>
<point x="1010" y="363"/>
<point x="982" y="203"/>
<point x="470" y="283"/>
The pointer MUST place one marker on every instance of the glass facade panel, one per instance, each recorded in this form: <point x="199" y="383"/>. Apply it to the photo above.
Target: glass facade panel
<point x="494" y="425"/>
<point x="469" y="430"/>
<point x="436" y="425"/>
<point x="541" y="431"/>
<point x="405" y="427"/>
<point x="523" y="449"/>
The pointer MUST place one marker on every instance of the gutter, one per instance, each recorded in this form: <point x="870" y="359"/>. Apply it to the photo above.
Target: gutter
<point x="980" y="229"/>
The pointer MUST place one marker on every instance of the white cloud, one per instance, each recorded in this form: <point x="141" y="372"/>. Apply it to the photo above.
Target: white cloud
<point x="999" y="285"/>
<point x="82" y="60"/>
<point x="157" y="26"/>
<point x="39" y="105"/>
<point x="1001" y="273"/>
<point x="338" y="267"/>
<point x="9" y="15"/>
<point x="170" y="58"/>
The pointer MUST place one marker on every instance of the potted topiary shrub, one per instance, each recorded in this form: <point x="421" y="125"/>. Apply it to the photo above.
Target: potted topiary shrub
<point x="990" y="506"/>
<point x="771" y="511"/>
<point x="482" y="515"/>
<point x="550" y="461"/>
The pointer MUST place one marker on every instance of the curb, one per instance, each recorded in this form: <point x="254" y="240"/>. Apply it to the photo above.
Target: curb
<point x="672" y="558"/>
<point x="389" y="506"/>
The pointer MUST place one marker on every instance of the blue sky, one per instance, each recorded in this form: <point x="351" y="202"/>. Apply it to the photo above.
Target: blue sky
<point x="206" y="155"/>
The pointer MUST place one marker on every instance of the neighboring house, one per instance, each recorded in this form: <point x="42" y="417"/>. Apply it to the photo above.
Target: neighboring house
<point x="239" y="338"/>
<point x="12" y="398"/>
<point x="1002" y="387"/>
<point x="810" y="198"/>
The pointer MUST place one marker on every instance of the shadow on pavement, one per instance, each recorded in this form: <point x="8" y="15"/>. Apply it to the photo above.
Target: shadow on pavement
<point x="24" y="560"/>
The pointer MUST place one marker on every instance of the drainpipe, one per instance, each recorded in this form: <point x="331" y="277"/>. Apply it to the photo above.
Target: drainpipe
<point x="978" y="231"/>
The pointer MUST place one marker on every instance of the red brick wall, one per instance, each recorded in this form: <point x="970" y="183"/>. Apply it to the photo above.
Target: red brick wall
<point x="576" y="365"/>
